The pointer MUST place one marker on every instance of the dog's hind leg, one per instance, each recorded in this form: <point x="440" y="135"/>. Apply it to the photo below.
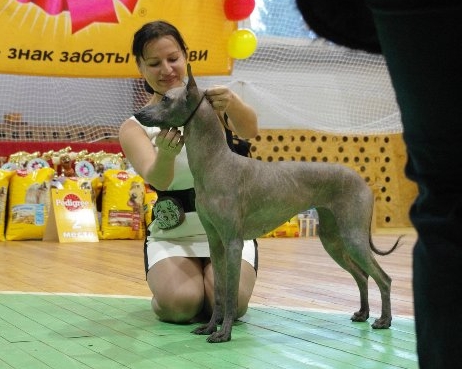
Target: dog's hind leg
<point x="361" y="279"/>
<point x="335" y="246"/>
<point x="368" y="266"/>
<point x="334" y="249"/>
<point x="350" y="248"/>
<point x="384" y="283"/>
<point x="362" y="264"/>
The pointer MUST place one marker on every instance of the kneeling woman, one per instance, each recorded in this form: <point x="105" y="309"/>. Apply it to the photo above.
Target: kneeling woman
<point x="177" y="260"/>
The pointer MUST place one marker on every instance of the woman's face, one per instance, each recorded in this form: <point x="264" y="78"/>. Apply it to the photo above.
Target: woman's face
<point x="163" y="65"/>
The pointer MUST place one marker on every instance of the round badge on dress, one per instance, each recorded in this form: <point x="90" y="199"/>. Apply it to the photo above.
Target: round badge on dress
<point x="168" y="213"/>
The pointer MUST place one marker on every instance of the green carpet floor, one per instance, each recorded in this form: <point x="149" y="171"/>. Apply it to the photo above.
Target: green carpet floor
<point x="71" y="331"/>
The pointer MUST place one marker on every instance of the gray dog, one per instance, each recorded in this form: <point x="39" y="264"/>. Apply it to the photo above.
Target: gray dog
<point x="239" y="198"/>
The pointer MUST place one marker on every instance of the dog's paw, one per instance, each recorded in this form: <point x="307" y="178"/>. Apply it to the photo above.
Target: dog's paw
<point x="205" y="329"/>
<point x="381" y="323"/>
<point x="360" y="316"/>
<point x="220" y="336"/>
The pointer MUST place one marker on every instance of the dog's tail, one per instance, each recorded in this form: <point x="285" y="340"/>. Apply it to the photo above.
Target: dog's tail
<point x="383" y="253"/>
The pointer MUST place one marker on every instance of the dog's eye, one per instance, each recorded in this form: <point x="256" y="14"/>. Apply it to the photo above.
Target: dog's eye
<point x="165" y="98"/>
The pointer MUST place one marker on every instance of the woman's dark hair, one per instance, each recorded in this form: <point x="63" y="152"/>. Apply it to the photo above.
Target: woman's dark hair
<point x="154" y="30"/>
<point x="151" y="31"/>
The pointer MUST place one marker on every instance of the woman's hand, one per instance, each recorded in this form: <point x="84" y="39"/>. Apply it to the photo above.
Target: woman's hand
<point x="242" y="119"/>
<point x="169" y="141"/>
<point x="219" y="97"/>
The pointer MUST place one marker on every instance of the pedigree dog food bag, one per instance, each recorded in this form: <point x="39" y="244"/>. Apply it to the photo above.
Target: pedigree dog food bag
<point x="122" y="213"/>
<point x="93" y="185"/>
<point x="28" y="204"/>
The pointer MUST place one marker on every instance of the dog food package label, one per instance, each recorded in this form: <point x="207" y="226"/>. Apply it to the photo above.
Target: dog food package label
<point x="93" y="185"/>
<point x="5" y="176"/>
<point x="122" y="209"/>
<point x="28" y="204"/>
<point x="150" y="198"/>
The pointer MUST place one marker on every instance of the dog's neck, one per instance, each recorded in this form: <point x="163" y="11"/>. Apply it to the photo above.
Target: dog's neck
<point x="204" y="139"/>
<point x="194" y="110"/>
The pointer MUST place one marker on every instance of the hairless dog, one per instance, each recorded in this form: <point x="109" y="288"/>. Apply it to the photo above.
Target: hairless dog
<point x="240" y="198"/>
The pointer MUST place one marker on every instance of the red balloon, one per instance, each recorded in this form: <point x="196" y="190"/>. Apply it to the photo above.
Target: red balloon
<point x="236" y="10"/>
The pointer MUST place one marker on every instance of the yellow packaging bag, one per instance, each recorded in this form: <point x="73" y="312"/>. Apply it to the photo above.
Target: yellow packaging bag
<point x="93" y="185"/>
<point x="288" y="229"/>
<point x="150" y="199"/>
<point x="5" y="176"/>
<point x="122" y="208"/>
<point x="28" y="204"/>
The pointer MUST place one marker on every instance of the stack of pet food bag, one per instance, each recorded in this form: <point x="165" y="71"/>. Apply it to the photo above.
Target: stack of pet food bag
<point x="122" y="201"/>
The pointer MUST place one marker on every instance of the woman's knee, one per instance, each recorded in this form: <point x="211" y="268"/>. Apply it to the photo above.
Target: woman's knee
<point x="177" y="286"/>
<point x="246" y="285"/>
<point x="178" y="306"/>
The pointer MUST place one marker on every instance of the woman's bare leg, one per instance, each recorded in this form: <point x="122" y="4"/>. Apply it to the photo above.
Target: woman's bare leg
<point x="177" y="285"/>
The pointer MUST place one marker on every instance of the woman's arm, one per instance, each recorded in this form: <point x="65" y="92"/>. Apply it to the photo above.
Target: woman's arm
<point x="242" y="118"/>
<point x="152" y="161"/>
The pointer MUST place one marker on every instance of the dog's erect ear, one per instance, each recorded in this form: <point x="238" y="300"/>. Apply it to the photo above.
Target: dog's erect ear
<point x="191" y="82"/>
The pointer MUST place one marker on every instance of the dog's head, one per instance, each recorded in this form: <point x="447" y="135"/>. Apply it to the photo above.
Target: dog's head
<point x="175" y="108"/>
<point x="136" y="194"/>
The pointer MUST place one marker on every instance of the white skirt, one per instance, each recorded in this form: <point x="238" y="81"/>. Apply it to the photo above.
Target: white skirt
<point x="187" y="240"/>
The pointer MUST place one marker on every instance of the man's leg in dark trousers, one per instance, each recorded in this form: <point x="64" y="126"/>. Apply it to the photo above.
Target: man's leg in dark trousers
<point x="422" y="41"/>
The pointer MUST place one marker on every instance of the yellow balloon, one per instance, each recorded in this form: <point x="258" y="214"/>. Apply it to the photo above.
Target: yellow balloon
<point x="242" y="43"/>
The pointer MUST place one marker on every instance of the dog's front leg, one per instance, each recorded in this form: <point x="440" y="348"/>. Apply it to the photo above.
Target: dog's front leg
<point x="217" y="256"/>
<point x="232" y="272"/>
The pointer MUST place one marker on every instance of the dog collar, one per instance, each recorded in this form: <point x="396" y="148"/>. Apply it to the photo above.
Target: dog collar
<point x="194" y="111"/>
